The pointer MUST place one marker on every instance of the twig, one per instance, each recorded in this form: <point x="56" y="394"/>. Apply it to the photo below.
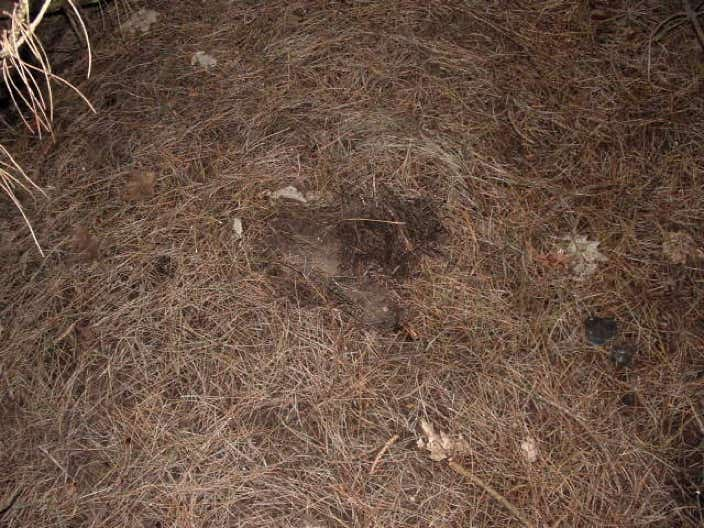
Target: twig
<point x="459" y="468"/>
<point x="391" y="441"/>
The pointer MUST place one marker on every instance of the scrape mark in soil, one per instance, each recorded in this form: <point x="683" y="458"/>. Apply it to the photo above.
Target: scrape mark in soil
<point x="350" y="257"/>
<point x="388" y="234"/>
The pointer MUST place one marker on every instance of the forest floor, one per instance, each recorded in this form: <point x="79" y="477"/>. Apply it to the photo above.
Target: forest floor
<point x="273" y="267"/>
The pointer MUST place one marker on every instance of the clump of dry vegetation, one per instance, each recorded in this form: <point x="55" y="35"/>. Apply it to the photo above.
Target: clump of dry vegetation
<point x="471" y="182"/>
<point x="28" y="78"/>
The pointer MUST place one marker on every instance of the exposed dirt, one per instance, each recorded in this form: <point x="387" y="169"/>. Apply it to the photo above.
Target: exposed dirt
<point x="349" y="255"/>
<point x="476" y="181"/>
<point x="387" y="234"/>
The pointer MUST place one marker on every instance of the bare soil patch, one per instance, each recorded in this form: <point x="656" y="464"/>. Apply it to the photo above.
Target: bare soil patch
<point x="351" y="254"/>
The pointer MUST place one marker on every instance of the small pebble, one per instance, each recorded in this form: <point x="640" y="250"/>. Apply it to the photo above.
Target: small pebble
<point x="600" y="330"/>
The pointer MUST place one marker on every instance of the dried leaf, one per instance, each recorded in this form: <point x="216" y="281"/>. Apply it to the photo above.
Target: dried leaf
<point x="237" y="227"/>
<point x="289" y="193"/>
<point x="529" y="449"/>
<point x="679" y="247"/>
<point x="85" y="243"/>
<point x="441" y="446"/>
<point x="202" y="59"/>
<point x="555" y="259"/>
<point x="141" y="185"/>
<point x="584" y="255"/>
<point x="141" y="21"/>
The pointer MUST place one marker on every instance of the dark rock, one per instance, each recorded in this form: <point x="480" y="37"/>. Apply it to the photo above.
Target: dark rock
<point x="600" y="330"/>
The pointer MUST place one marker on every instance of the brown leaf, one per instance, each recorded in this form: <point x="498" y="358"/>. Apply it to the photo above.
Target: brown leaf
<point x="85" y="244"/>
<point x="555" y="259"/>
<point x="141" y="185"/>
<point x="441" y="446"/>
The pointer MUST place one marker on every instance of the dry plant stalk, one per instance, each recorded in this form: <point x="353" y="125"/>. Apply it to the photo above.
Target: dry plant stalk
<point x="391" y="441"/>
<point x="30" y="95"/>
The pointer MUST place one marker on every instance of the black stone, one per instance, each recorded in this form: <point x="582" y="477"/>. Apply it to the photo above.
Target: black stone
<point x="600" y="330"/>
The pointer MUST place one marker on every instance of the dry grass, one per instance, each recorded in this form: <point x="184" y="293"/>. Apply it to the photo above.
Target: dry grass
<point x="158" y="372"/>
<point x="27" y="78"/>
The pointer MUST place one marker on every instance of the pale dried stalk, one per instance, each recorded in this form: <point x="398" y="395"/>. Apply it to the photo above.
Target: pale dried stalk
<point x="29" y="94"/>
<point x="391" y="441"/>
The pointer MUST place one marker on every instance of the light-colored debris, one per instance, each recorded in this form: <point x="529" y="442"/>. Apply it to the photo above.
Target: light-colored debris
<point x="237" y="228"/>
<point x="530" y="449"/>
<point x="313" y="196"/>
<point x="679" y="247"/>
<point x="202" y="59"/>
<point x="441" y="446"/>
<point x="289" y="193"/>
<point x="141" y="21"/>
<point x="391" y="441"/>
<point x="585" y="255"/>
